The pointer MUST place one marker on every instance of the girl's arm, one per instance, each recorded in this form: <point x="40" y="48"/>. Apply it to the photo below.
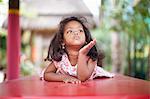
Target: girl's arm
<point x="51" y="75"/>
<point x="85" y="64"/>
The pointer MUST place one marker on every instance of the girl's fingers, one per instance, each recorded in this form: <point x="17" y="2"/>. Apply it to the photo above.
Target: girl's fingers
<point x="87" y="47"/>
<point x="76" y="82"/>
<point x="73" y="81"/>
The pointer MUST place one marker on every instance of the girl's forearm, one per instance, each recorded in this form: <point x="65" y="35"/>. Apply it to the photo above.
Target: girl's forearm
<point x="50" y="76"/>
<point x="83" y="70"/>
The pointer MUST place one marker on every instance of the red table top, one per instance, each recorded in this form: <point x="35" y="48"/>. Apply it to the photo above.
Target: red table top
<point x="119" y="87"/>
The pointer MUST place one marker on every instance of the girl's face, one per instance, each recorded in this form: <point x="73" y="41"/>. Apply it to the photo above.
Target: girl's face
<point x="74" y="34"/>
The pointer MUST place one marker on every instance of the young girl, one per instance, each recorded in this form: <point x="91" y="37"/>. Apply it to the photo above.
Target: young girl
<point x="73" y="54"/>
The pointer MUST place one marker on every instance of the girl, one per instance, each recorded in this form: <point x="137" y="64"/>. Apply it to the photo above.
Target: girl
<point x="73" y="53"/>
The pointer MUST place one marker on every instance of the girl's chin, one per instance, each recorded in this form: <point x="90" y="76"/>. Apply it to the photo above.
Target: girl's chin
<point x="77" y="43"/>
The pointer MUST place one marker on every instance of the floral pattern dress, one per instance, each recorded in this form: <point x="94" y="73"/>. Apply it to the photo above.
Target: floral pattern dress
<point x="64" y="67"/>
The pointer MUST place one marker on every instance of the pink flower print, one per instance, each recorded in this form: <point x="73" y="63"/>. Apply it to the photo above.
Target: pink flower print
<point x="66" y="63"/>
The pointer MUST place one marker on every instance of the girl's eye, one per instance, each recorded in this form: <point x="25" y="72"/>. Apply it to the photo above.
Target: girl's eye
<point x="70" y="31"/>
<point x="81" y="30"/>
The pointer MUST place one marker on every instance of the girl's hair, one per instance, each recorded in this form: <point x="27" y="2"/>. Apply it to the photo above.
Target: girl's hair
<point x="56" y="49"/>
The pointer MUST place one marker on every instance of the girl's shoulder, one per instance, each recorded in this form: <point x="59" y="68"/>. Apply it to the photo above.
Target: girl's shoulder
<point x="64" y="61"/>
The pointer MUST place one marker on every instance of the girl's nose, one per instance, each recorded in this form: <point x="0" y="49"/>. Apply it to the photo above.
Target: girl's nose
<point x="76" y="32"/>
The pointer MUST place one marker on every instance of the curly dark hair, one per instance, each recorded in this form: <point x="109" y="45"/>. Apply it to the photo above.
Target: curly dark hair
<point x="56" y="51"/>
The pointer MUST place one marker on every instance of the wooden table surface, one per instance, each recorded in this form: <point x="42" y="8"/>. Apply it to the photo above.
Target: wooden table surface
<point x="119" y="87"/>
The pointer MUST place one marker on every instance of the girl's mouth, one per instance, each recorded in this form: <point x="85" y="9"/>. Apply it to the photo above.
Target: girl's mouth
<point x="76" y="37"/>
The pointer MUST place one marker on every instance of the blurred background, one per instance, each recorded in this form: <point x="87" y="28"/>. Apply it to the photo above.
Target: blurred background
<point x="121" y="27"/>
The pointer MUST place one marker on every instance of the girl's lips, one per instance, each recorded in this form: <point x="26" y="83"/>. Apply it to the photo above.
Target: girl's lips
<point x="76" y="37"/>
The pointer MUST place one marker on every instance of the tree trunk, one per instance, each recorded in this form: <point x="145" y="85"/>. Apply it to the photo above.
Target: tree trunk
<point x="129" y="57"/>
<point x="133" y="72"/>
<point x="148" y="65"/>
<point x="116" y="53"/>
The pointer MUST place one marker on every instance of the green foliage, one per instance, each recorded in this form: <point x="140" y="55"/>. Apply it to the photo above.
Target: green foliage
<point x="27" y="67"/>
<point x="103" y="43"/>
<point x="131" y="18"/>
<point x="2" y="49"/>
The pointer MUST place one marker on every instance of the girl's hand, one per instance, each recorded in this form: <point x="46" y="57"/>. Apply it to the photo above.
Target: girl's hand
<point x="87" y="47"/>
<point x="84" y="51"/>
<point x="72" y="80"/>
<point x="85" y="64"/>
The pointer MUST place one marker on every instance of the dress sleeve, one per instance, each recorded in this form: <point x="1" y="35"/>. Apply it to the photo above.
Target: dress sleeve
<point x="100" y="72"/>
